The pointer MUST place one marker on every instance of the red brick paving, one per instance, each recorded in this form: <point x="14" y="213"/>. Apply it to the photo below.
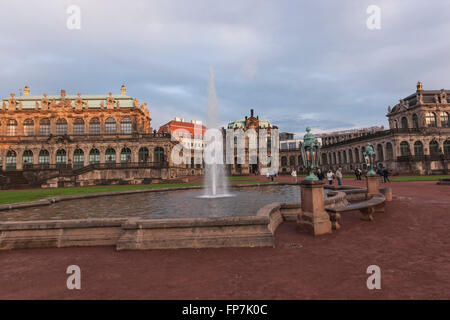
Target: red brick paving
<point x="410" y="243"/>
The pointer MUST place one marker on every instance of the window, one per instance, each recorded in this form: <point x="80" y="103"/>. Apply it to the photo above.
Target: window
<point x="430" y="119"/>
<point x="94" y="156"/>
<point x="283" y="146"/>
<point x="292" y="145"/>
<point x="44" y="157"/>
<point x="356" y="155"/>
<point x="78" y="127"/>
<point x="447" y="147"/>
<point x="44" y="127"/>
<point x="11" y="128"/>
<point x="110" y="126"/>
<point x="418" y="148"/>
<point x="126" y="126"/>
<point x="110" y="155"/>
<point x="389" y="151"/>
<point x="404" y="148"/>
<point x="28" y="127"/>
<point x="404" y="123"/>
<point x="380" y="155"/>
<point x="143" y="154"/>
<point x="11" y="158"/>
<point x="434" y="148"/>
<point x="61" y="156"/>
<point x="61" y="127"/>
<point x="283" y="161"/>
<point x="159" y="155"/>
<point x="78" y="159"/>
<point x="345" y="156"/>
<point x="94" y="126"/>
<point x="125" y="155"/>
<point x="444" y="120"/>
<point x="292" y="161"/>
<point x="350" y="155"/>
<point x="27" y="157"/>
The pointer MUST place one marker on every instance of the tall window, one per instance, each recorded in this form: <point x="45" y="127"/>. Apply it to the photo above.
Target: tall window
<point x="27" y="157"/>
<point x="61" y="156"/>
<point x="430" y="119"/>
<point x="444" y="120"/>
<point x="110" y="126"/>
<point x="126" y="126"/>
<point x="78" y="158"/>
<point x="292" y="161"/>
<point x="344" y="153"/>
<point x="404" y="148"/>
<point x="143" y="154"/>
<point x="447" y="147"/>
<point x="389" y="151"/>
<point x="61" y="127"/>
<point x="44" y="157"/>
<point x="356" y="155"/>
<point x="94" y="126"/>
<point x="283" y="161"/>
<point x="11" y="128"/>
<point x="11" y="158"/>
<point x="404" y="123"/>
<point x="125" y="155"/>
<point x="94" y="156"/>
<point x="110" y="155"/>
<point x="159" y="155"/>
<point x="434" y="148"/>
<point x="28" y="127"/>
<point x="350" y="156"/>
<point x="418" y="148"/>
<point x="415" y="120"/>
<point x="44" y="127"/>
<point x="380" y="155"/>
<point x="78" y="127"/>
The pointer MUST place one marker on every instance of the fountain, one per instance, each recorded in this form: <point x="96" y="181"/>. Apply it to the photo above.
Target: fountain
<point x="216" y="183"/>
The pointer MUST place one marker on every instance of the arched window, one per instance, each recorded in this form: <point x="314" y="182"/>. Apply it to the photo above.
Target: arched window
<point x="78" y="158"/>
<point x="444" y="120"/>
<point x="284" y="161"/>
<point x="110" y="126"/>
<point x="404" y="149"/>
<point x="430" y="119"/>
<point x="78" y="127"/>
<point x="11" y="159"/>
<point x="158" y="155"/>
<point x="94" y="126"/>
<point x="27" y="158"/>
<point x="61" y="127"/>
<point x="44" y="127"/>
<point x="395" y="124"/>
<point x="380" y="155"/>
<point x="143" y="154"/>
<point x="28" y="127"/>
<point x="11" y="128"/>
<point x="356" y="155"/>
<point x="125" y="155"/>
<point x="404" y="123"/>
<point x="418" y="148"/>
<point x="324" y="159"/>
<point x="447" y="147"/>
<point x="94" y="156"/>
<point x="292" y="161"/>
<point x="334" y="158"/>
<point x="339" y="157"/>
<point x="434" y="147"/>
<point x="350" y="156"/>
<point x="415" y="121"/>
<point x="61" y="156"/>
<point x="389" y="151"/>
<point x="300" y="161"/>
<point x="126" y="126"/>
<point x="44" y="157"/>
<point x="344" y="153"/>
<point x="110" y="155"/>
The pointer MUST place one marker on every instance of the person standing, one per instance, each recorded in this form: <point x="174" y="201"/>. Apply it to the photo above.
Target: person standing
<point x="268" y="175"/>
<point x="359" y="173"/>
<point x="330" y="176"/>
<point x="386" y="175"/>
<point x="379" y="172"/>
<point x="294" y="176"/>
<point x="338" y="175"/>
<point x="320" y="174"/>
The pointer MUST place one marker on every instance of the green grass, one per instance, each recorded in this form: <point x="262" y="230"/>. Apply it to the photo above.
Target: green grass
<point x="417" y="178"/>
<point x="16" y="196"/>
<point x="241" y="178"/>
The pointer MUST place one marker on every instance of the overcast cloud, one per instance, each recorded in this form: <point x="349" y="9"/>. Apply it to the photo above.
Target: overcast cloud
<point x="297" y="63"/>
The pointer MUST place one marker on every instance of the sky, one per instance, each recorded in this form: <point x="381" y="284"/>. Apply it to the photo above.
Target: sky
<point x="296" y="63"/>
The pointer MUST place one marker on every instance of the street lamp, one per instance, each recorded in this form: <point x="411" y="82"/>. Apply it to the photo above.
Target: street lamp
<point x="369" y="157"/>
<point x="310" y="153"/>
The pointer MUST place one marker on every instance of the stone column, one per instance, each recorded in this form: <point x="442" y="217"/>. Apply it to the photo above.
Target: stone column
<point x="313" y="219"/>
<point x="373" y="182"/>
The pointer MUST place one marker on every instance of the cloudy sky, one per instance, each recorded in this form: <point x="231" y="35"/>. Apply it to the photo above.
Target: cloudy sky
<point x="297" y="63"/>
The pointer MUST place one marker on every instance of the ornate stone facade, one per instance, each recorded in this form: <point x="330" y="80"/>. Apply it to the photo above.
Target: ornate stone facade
<point x="50" y="132"/>
<point x="418" y="139"/>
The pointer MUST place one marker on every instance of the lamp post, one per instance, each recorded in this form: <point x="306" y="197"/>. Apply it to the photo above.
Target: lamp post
<point x="369" y="156"/>
<point x="310" y="154"/>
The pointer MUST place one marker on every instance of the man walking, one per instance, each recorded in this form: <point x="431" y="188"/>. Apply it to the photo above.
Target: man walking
<point x="339" y="176"/>
<point x="386" y="175"/>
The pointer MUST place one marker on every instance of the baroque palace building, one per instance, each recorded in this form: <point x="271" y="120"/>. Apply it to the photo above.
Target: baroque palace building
<point x="417" y="141"/>
<point x="81" y="139"/>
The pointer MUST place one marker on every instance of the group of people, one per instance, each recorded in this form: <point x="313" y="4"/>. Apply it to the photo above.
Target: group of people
<point x="383" y="173"/>
<point x="332" y="176"/>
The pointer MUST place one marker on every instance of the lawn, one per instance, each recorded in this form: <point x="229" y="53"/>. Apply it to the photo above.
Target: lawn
<point x="417" y="178"/>
<point x="15" y="196"/>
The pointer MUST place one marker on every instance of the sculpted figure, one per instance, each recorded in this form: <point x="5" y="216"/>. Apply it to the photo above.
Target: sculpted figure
<point x="443" y="96"/>
<point x="44" y="102"/>
<point x="110" y="101"/>
<point x="12" y="102"/>
<point x="136" y="103"/>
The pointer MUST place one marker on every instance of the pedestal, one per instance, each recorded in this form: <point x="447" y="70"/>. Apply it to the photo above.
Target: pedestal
<point x="373" y="185"/>
<point x="313" y="219"/>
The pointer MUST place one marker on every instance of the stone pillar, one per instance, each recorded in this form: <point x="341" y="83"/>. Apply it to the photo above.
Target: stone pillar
<point x="313" y="219"/>
<point x="373" y="183"/>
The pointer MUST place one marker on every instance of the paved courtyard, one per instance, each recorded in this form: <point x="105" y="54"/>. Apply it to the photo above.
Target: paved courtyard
<point x="410" y="243"/>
